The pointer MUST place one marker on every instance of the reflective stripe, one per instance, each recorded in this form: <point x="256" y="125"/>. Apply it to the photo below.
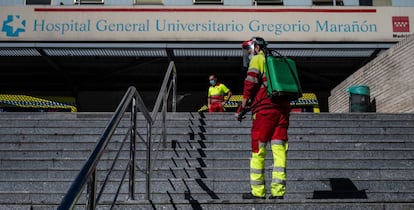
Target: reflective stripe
<point x="262" y="144"/>
<point x="257" y="171"/>
<point x="277" y="142"/>
<point x="253" y="70"/>
<point x="257" y="182"/>
<point x="279" y="181"/>
<point x="216" y="101"/>
<point x="252" y="79"/>
<point x="279" y="169"/>
<point x="217" y="98"/>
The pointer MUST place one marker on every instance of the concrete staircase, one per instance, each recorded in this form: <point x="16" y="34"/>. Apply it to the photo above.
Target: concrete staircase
<point x="335" y="161"/>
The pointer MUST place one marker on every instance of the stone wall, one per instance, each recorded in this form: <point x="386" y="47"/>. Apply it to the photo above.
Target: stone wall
<point x="390" y="77"/>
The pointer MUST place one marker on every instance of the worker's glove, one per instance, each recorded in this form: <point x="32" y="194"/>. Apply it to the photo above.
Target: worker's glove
<point x="240" y="113"/>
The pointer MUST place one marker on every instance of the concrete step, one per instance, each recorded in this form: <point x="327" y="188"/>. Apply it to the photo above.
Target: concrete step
<point x="184" y="122"/>
<point x="222" y="152"/>
<point x="218" y="130"/>
<point x="237" y="203"/>
<point x="47" y="163"/>
<point x="208" y="186"/>
<point x="313" y="116"/>
<point x="225" y="191"/>
<point x="200" y="138"/>
<point x="293" y="173"/>
<point x="295" y="136"/>
<point x="294" y="144"/>
<point x="210" y="119"/>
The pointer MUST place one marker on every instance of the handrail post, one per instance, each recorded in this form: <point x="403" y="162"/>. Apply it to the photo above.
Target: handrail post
<point x="174" y="96"/>
<point x="91" y="190"/>
<point x="164" y="116"/>
<point x="132" y="150"/>
<point x="148" y="169"/>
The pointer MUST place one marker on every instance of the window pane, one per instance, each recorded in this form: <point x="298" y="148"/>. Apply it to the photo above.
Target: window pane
<point x="89" y="1"/>
<point x="381" y="2"/>
<point x="327" y="2"/>
<point x="38" y="1"/>
<point x="149" y="2"/>
<point x="269" y="2"/>
<point x="208" y="1"/>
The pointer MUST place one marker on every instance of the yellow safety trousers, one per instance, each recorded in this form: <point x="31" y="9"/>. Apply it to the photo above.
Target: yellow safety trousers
<point x="257" y="170"/>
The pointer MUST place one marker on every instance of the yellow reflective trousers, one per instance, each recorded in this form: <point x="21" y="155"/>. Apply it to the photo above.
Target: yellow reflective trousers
<point x="257" y="169"/>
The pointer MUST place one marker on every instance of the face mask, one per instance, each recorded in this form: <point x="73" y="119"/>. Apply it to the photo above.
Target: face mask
<point x="212" y="82"/>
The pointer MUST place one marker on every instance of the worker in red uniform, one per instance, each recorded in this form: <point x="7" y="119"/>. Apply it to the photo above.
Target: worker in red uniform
<point x="216" y="93"/>
<point x="270" y="121"/>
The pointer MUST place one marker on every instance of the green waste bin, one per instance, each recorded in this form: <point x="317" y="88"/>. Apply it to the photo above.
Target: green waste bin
<point x="359" y="98"/>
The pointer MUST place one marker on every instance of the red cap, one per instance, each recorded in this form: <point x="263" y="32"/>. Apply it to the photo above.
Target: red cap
<point x="247" y="44"/>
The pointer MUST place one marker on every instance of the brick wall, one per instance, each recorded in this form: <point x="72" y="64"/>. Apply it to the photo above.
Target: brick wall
<point x="390" y="77"/>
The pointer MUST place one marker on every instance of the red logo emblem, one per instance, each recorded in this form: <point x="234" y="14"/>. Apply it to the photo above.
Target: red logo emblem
<point x="400" y="24"/>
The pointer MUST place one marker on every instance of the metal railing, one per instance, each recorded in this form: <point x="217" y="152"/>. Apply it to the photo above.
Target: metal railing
<point x="88" y="174"/>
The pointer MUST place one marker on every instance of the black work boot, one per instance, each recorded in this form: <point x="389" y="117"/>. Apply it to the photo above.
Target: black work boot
<point x="275" y="197"/>
<point x="251" y="196"/>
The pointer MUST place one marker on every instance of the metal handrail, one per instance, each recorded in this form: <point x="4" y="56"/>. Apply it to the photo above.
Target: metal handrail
<point x="87" y="175"/>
